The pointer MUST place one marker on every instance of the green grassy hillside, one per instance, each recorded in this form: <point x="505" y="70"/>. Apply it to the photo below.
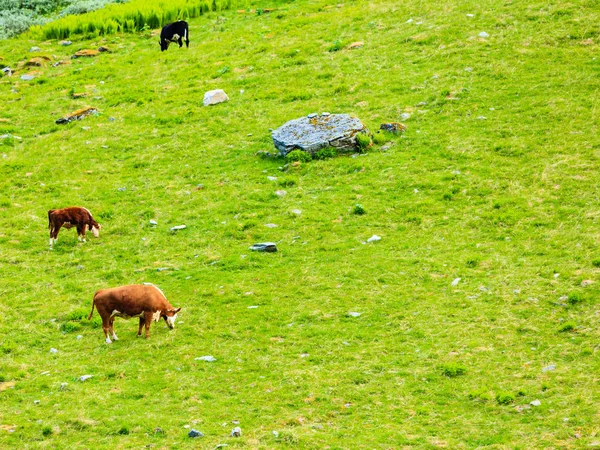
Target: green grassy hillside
<point x="495" y="183"/>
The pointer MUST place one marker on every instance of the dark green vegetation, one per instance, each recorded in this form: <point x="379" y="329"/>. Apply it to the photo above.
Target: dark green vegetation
<point x="508" y="204"/>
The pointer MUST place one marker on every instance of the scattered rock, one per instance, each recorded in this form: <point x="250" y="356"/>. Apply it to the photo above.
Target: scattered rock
<point x="271" y="225"/>
<point x="79" y="336"/>
<point x="280" y="193"/>
<point x="159" y="430"/>
<point x="61" y="63"/>
<point x="34" y="49"/>
<point x="312" y="115"/>
<point x="215" y="96"/>
<point x="586" y="283"/>
<point x="268" y="247"/>
<point x="63" y="386"/>
<point x="38" y="61"/>
<point x="275" y="433"/>
<point x="483" y="35"/>
<point x="27" y="77"/>
<point x="65" y="43"/>
<point x="354" y="314"/>
<point x="77" y="115"/>
<point x="272" y="178"/>
<point x="121" y="189"/>
<point x="374" y="238"/>
<point x="178" y="227"/>
<point x="311" y="134"/>
<point x="535" y="403"/>
<point x="296" y="211"/>
<point x="9" y="136"/>
<point x="481" y="118"/>
<point x="153" y="222"/>
<point x="36" y="402"/>
<point x="53" y="350"/>
<point x="253" y="307"/>
<point x="356" y="45"/>
<point x="79" y="95"/>
<point x="85" y="54"/>
<point x="393" y="127"/>
<point x="207" y="358"/>
<point x="549" y="368"/>
<point x="236" y="432"/>
<point x="195" y="433"/>
<point x="455" y="282"/>
<point x="7" y="71"/>
<point x="405" y="116"/>
<point x="85" y="377"/>
<point x="103" y="49"/>
<point x="589" y="41"/>
<point x="470" y="15"/>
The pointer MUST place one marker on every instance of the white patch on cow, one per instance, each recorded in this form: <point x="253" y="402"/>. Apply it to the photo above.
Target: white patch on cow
<point x="175" y="37"/>
<point x="171" y="321"/>
<point x="108" y="341"/>
<point x="185" y="34"/>
<point x="50" y="242"/>
<point x="156" y="316"/>
<point x="114" y="336"/>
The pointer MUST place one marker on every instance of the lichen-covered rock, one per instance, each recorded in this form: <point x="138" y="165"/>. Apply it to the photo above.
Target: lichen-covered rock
<point x="77" y="115"/>
<point x="85" y="53"/>
<point x="393" y="127"/>
<point x="313" y="133"/>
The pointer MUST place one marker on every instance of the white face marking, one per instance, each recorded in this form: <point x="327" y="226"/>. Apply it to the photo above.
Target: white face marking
<point x="171" y="321"/>
<point x="95" y="231"/>
<point x="108" y="341"/>
<point x="156" y="316"/>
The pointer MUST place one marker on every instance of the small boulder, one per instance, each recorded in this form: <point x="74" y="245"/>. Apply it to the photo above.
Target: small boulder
<point x="393" y="127"/>
<point x="103" y="49"/>
<point x="85" y="53"/>
<point x="27" y="77"/>
<point x="313" y="133"/>
<point x="215" y="96"/>
<point x="268" y="247"/>
<point x="195" y="433"/>
<point x="236" y="432"/>
<point x="65" y="43"/>
<point x="38" y="61"/>
<point x="77" y="115"/>
<point x="356" y="45"/>
<point x="34" y="49"/>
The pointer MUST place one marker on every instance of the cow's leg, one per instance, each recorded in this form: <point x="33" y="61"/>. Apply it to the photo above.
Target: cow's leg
<point x="81" y="232"/>
<point x="112" y="329"/>
<point x="54" y="234"/>
<point x="106" y="329"/>
<point x="180" y="42"/>
<point x="147" y="322"/>
<point x="185" y="36"/>
<point x="142" y="321"/>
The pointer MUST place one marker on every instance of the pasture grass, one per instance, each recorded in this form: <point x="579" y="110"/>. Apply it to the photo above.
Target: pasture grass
<point x="487" y="208"/>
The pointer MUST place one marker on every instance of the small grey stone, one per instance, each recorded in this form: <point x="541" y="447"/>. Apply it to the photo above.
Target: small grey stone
<point x="311" y="115"/>
<point x="354" y="314"/>
<point x="296" y="211"/>
<point x="178" y="227"/>
<point x="481" y="118"/>
<point x="280" y="193"/>
<point x="422" y="104"/>
<point x="162" y="269"/>
<point x="85" y="377"/>
<point x="34" y="49"/>
<point x="483" y="35"/>
<point x="53" y="350"/>
<point x="549" y="368"/>
<point x="153" y="222"/>
<point x="27" y="77"/>
<point x="79" y="336"/>
<point x="269" y="247"/>
<point x="470" y="15"/>
<point x="374" y="238"/>
<point x="112" y="119"/>
<point x="435" y="77"/>
<point x="455" y="282"/>
<point x="122" y="189"/>
<point x="85" y="128"/>
<point x="207" y="358"/>
<point x="65" y="43"/>
<point x="215" y="96"/>
<point x="195" y="433"/>
<point x="325" y="114"/>
<point x="159" y="430"/>
<point x="36" y="402"/>
<point x="272" y="178"/>
<point x="405" y="116"/>
<point x="63" y="386"/>
<point x="271" y="225"/>
<point x="253" y="307"/>
<point x="275" y="433"/>
<point x="236" y="432"/>
<point x="535" y="403"/>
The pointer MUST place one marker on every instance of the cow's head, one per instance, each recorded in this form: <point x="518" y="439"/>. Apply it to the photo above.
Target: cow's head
<point x="164" y="44"/>
<point x="170" y="316"/>
<point x="96" y="229"/>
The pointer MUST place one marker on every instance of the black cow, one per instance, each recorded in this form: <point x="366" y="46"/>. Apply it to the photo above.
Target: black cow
<point x="174" y="32"/>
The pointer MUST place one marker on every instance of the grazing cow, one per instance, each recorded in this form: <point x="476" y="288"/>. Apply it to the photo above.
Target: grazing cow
<point x="145" y="301"/>
<point x="174" y="32"/>
<point x="73" y="216"/>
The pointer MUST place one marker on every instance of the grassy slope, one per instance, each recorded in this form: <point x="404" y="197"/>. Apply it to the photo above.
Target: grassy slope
<point x="505" y="203"/>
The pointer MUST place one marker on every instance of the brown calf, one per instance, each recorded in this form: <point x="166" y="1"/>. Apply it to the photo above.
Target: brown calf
<point x="145" y="301"/>
<point x="73" y="216"/>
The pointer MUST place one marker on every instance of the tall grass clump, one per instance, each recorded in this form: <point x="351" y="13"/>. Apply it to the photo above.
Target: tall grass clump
<point x="130" y="17"/>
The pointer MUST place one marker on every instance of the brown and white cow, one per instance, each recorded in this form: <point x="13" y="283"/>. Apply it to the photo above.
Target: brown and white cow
<point x="74" y="216"/>
<point x="145" y="301"/>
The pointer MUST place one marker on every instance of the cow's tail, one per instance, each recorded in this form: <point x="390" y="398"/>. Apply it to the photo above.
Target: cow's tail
<point x="93" y="304"/>
<point x="50" y="218"/>
<point x="185" y="36"/>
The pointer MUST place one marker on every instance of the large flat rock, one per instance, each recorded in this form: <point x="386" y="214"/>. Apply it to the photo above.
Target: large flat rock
<point x="314" y="132"/>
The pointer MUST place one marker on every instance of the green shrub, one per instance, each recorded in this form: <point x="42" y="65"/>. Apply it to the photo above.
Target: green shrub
<point x="453" y="370"/>
<point x="363" y="141"/>
<point x="380" y="138"/>
<point x="298" y="155"/>
<point x="336" y="46"/>
<point x="46" y="431"/>
<point x="70" y="327"/>
<point x="596" y="262"/>
<point x="505" y="398"/>
<point x="574" y="298"/>
<point x="325" y="153"/>
<point x="358" y="210"/>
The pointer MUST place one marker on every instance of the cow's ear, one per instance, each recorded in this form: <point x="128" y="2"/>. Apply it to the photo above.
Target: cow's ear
<point x="177" y="310"/>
